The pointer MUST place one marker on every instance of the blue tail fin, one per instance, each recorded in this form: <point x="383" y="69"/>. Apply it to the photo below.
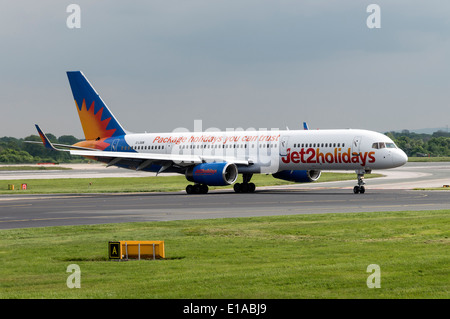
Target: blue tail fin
<point x="96" y="119"/>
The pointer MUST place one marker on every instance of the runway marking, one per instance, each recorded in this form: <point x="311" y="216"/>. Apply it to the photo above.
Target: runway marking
<point x="66" y="218"/>
<point x="32" y="197"/>
<point x="18" y="205"/>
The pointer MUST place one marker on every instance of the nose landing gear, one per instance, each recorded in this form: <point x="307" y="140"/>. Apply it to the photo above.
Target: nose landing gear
<point x="360" y="189"/>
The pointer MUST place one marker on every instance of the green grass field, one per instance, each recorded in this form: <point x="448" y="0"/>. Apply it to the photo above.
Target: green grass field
<point x="300" y="256"/>
<point x="429" y="159"/>
<point x="137" y="184"/>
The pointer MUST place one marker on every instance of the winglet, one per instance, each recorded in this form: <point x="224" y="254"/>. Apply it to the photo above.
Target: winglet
<point x="45" y="140"/>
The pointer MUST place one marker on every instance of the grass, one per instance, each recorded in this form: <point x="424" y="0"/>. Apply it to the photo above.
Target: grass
<point x="300" y="256"/>
<point x="432" y="189"/>
<point x="135" y="184"/>
<point x="429" y="159"/>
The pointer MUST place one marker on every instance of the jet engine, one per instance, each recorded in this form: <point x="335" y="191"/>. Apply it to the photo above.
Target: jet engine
<point x="213" y="174"/>
<point x="298" y="176"/>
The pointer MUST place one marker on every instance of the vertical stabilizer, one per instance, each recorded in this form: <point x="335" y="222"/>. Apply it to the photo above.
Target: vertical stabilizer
<point x="96" y="119"/>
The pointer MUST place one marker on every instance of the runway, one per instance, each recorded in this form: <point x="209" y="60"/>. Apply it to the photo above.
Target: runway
<point x="392" y="193"/>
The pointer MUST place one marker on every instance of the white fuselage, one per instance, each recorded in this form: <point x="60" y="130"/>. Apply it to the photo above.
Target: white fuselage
<point x="274" y="151"/>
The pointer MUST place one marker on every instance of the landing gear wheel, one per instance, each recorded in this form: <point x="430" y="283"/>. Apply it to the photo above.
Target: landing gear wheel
<point x="197" y="189"/>
<point x="362" y="190"/>
<point x="204" y="189"/>
<point x="244" y="187"/>
<point x="359" y="189"/>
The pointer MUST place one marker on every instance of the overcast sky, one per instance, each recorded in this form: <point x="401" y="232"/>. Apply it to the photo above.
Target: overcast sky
<point x="160" y="65"/>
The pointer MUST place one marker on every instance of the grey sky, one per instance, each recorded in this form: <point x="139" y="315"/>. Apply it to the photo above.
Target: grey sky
<point x="160" y="65"/>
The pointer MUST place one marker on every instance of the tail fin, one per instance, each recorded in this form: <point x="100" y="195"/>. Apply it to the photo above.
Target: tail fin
<point x="96" y="119"/>
<point x="305" y="126"/>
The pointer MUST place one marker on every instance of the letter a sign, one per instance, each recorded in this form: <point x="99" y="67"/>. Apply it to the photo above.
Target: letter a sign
<point x="114" y="250"/>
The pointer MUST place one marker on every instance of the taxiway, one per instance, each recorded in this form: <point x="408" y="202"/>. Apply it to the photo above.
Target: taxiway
<point x="391" y="193"/>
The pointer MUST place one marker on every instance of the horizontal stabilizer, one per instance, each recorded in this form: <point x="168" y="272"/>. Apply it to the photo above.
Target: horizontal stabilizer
<point x="49" y="145"/>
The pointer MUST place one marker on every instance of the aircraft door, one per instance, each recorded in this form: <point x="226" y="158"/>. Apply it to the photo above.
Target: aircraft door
<point x="168" y="148"/>
<point x="284" y="145"/>
<point x="356" y="145"/>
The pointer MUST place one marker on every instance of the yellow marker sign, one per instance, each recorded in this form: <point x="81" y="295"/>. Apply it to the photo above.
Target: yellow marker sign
<point x="136" y="250"/>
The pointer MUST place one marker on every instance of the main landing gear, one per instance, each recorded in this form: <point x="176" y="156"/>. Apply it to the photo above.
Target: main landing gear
<point x="245" y="186"/>
<point x="360" y="189"/>
<point x="197" y="189"/>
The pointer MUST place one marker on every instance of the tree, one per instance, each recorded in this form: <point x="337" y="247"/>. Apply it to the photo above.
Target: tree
<point x="15" y="156"/>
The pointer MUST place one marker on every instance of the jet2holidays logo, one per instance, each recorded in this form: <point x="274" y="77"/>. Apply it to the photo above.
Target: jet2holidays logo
<point x="316" y="156"/>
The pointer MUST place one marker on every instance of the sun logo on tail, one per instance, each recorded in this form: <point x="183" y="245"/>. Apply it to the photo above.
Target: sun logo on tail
<point x="93" y="126"/>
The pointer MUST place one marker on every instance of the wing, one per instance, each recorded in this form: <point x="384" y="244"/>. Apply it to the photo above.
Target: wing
<point x="143" y="160"/>
<point x="139" y="160"/>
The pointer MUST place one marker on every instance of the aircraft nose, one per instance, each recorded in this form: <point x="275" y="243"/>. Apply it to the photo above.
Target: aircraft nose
<point x="399" y="158"/>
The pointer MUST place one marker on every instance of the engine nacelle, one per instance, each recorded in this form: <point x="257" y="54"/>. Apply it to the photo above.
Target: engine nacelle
<point x="298" y="176"/>
<point x="213" y="174"/>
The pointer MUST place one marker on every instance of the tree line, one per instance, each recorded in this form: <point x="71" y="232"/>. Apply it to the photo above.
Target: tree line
<point x="15" y="150"/>
<point x="422" y="145"/>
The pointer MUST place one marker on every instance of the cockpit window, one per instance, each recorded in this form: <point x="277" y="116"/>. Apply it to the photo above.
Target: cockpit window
<point x="381" y="145"/>
<point x="391" y="145"/>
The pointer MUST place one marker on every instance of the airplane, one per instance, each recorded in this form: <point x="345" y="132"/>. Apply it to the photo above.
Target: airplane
<point x="217" y="158"/>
